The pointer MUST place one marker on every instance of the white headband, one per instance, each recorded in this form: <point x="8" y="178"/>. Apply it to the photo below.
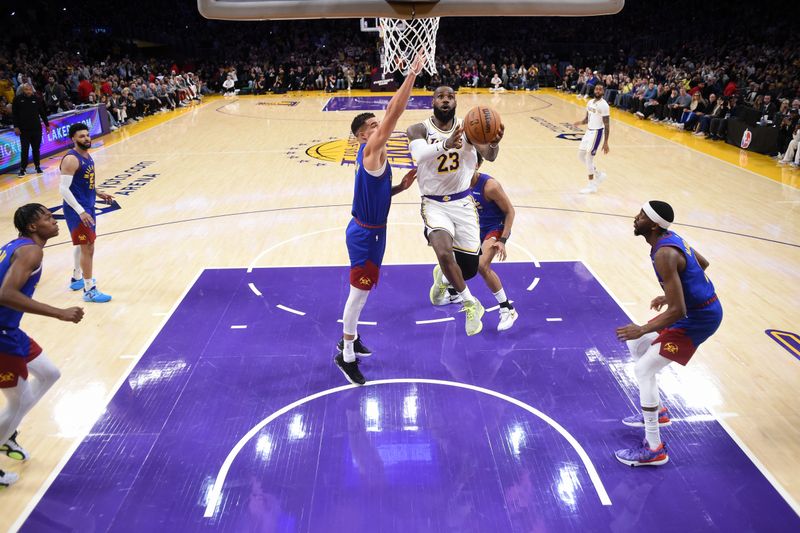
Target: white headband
<point x="652" y="215"/>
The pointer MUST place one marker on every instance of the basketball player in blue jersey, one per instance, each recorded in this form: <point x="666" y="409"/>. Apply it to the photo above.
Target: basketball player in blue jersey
<point x="496" y="216"/>
<point x="366" y="232"/>
<point x="693" y="314"/>
<point x="79" y="193"/>
<point x="20" y="270"/>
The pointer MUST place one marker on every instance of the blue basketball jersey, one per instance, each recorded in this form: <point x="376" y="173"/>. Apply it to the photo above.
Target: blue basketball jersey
<point x="697" y="288"/>
<point x="489" y="212"/>
<point x="82" y="185"/>
<point x="372" y="195"/>
<point x="10" y="318"/>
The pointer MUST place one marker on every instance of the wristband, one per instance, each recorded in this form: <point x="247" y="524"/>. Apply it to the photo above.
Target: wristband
<point x="503" y="239"/>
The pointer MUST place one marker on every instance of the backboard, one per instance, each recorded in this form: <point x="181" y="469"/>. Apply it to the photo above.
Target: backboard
<point x="326" y="9"/>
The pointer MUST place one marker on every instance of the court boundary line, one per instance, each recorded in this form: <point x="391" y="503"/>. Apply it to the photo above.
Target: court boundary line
<point x="779" y="488"/>
<point x="39" y="494"/>
<point x="215" y="495"/>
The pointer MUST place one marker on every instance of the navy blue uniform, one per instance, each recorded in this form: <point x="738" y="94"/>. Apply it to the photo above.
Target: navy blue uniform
<point x="366" y="233"/>
<point x="680" y="340"/>
<point x="492" y="218"/>
<point x="83" y="189"/>
<point x="16" y="348"/>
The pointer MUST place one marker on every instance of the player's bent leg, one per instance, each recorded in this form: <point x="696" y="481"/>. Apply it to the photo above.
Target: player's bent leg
<point x="468" y="263"/>
<point x="45" y="375"/>
<point x="19" y="400"/>
<point x="442" y="244"/>
<point x="653" y="451"/>
<point x="508" y="315"/>
<point x="638" y="347"/>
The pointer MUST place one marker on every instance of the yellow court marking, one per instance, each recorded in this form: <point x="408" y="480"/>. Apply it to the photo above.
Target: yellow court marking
<point x="754" y="162"/>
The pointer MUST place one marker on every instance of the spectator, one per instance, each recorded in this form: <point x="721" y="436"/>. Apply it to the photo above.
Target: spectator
<point x="28" y="113"/>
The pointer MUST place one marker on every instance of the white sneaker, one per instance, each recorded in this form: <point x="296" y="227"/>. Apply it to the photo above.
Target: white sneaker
<point x="8" y="478"/>
<point x="591" y="188"/>
<point x="455" y="298"/>
<point x="474" y="311"/>
<point x="507" y="318"/>
<point x="600" y="177"/>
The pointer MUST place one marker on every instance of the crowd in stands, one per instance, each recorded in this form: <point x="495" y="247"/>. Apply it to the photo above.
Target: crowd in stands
<point x="693" y="72"/>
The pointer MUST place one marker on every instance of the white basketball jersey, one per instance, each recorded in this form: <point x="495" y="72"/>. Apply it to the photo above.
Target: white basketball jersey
<point x="597" y="109"/>
<point x="449" y="172"/>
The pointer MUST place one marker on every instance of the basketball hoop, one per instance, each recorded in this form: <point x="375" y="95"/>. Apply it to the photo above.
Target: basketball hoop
<point x="403" y="38"/>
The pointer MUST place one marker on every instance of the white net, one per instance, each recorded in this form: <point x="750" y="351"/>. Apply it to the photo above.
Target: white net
<point x="403" y="38"/>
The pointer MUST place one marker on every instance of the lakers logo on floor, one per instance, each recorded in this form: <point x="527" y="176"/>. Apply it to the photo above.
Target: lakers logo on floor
<point x="344" y="151"/>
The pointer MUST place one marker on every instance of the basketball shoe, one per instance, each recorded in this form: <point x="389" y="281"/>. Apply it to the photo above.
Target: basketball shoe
<point x="594" y="184"/>
<point x="7" y="478"/>
<point x="474" y="311"/>
<point x="507" y="318"/>
<point x="637" y="420"/>
<point x="95" y="296"/>
<point x="350" y="370"/>
<point x="13" y="450"/>
<point x="643" y="455"/>
<point x="75" y="284"/>
<point x="438" y="292"/>
<point x="358" y="347"/>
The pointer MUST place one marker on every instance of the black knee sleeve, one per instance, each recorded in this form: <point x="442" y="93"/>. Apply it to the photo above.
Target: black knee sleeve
<point x="468" y="263"/>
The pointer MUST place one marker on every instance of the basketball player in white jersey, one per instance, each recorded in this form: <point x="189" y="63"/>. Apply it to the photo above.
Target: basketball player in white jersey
<point x="446" y="162"/>
<point x="597" y="130"/>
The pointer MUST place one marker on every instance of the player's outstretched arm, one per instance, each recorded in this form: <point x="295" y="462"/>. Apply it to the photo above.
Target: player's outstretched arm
<point x="396" y="106"/>
<point x="667" y="267"/>
<point x="24" y="261"/>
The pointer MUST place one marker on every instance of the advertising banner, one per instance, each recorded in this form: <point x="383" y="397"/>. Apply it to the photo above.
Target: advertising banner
<point x="55" y="141"/>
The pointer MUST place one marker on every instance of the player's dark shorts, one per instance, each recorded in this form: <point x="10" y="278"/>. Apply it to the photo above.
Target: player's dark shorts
<point x="16" y="351"/>
<point x="80" y="233"/>
<point x="680" y="340"/>
<point x="365" y="246"/>
<point x="494" y="231"/>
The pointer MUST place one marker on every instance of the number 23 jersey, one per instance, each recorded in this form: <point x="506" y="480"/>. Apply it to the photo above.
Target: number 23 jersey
<point x="449" y="172"/>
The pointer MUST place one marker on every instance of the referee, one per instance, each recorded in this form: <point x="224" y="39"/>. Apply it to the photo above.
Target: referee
<point x="27" y="109"/>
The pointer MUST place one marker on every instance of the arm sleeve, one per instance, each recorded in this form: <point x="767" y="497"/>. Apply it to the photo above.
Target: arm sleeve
<point x="422" y="151"/>
<point x="66" y="181"/>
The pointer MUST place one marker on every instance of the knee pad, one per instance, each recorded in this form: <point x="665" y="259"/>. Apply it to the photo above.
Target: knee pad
<point x="468" y="263"/>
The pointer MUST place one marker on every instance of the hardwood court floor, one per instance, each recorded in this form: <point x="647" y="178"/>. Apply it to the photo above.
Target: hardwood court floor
<point x="260" y="181"/>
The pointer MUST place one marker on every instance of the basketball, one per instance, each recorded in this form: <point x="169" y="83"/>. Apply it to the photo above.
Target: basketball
<point x="482" y="124"/>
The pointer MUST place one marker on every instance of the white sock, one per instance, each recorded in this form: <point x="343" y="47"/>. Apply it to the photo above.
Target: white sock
<point x="651" y="432"/>
<point x="466" y="295"/>
<point x="349" y="353"/>
<point x="501" y="296"/>
<point x="88" y="284"/>
<point x="76" y="269"/>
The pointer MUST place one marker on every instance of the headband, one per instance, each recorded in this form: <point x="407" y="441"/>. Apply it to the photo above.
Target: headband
<point x="655" y="217"/>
